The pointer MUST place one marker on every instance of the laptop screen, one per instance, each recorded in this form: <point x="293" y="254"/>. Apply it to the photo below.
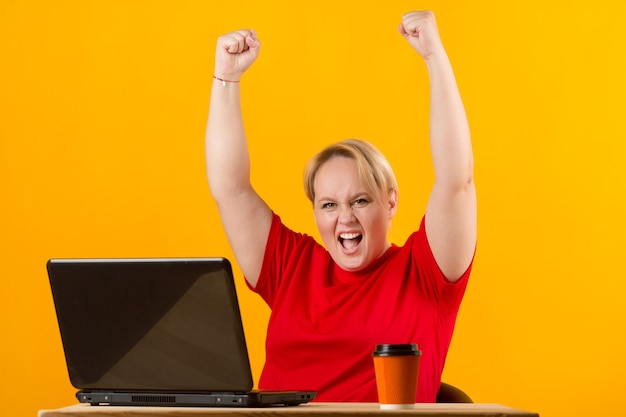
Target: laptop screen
<point x="150" y="324"/>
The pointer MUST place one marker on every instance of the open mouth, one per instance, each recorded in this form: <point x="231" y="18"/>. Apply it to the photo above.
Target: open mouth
<point x="350" y="241"/>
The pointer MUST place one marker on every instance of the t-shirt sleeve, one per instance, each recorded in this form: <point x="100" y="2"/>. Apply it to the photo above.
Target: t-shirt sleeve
<point x="284" y="251"/>
<point x="447" y="294"/>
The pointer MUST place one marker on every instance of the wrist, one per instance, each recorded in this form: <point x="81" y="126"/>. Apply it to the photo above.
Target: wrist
<point x="226" y="80"/>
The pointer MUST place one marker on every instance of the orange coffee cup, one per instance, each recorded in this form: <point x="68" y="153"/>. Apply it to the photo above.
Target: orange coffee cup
<point x="396" y="367"/>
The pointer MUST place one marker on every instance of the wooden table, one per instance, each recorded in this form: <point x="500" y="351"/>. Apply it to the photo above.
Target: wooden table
<point x="313" y="409"/>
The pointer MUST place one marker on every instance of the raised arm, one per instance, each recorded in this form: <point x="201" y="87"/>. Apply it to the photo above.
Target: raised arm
<point x="451" y="211"/>
<point x="245" y="216"/>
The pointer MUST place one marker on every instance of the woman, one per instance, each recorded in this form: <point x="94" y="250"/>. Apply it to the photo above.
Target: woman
<point x="331" y="305"/>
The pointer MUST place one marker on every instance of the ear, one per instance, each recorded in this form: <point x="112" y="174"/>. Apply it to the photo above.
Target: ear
<point x="392" y="203"/>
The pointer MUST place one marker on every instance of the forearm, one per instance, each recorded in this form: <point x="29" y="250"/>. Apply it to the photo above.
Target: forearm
<point x="227" y="159"/>
<point x="450" y="141"/>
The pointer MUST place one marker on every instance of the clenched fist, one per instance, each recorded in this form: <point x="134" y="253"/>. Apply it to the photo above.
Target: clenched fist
<point x="234" y="54"/>
<point x="420" y="30"/>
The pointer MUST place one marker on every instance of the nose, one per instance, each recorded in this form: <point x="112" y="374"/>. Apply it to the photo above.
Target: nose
<point x="346" y="215"/>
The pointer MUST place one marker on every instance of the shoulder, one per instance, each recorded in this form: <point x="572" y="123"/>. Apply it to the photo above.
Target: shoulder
<point x="289" y="255"/>
<point x="427" y="272"/>
<point x="282" y="238"/>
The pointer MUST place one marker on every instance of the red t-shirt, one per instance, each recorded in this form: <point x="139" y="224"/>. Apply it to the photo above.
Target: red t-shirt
<point x="325" y="321"/>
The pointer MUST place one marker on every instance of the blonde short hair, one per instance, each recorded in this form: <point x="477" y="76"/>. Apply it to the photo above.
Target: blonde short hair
<point x="374" y="169"/>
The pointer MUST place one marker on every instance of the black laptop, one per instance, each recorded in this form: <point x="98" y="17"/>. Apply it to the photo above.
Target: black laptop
<point x="156" y="332"/>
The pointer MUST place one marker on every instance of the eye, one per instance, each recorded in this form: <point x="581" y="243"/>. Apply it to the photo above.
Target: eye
<point x="360" y="202"/>
<point x="328" y="205"/>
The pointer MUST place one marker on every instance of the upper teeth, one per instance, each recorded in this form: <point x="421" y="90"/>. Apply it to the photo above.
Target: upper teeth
<point x="349" y="235"/>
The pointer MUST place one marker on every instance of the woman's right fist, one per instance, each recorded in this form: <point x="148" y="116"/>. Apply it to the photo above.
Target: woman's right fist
<point x="234" y="54"/>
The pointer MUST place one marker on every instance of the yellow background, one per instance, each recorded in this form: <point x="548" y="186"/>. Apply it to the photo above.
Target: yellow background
<point x="102" y="114"/>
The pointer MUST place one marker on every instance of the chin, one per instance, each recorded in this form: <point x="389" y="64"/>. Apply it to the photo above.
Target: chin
<point x="353" y="262"/>
<point x="352" y="265"/>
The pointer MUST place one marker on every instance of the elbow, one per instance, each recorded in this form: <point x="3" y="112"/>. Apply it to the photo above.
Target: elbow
<point x="458" y="181"/>
<point x="464" y="178"/>
<point x="227" y="188"/>
<point x="465" y="183"/>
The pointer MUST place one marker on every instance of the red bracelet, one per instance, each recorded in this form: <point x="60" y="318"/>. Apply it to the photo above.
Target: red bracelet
<point x="225" y="81"/>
